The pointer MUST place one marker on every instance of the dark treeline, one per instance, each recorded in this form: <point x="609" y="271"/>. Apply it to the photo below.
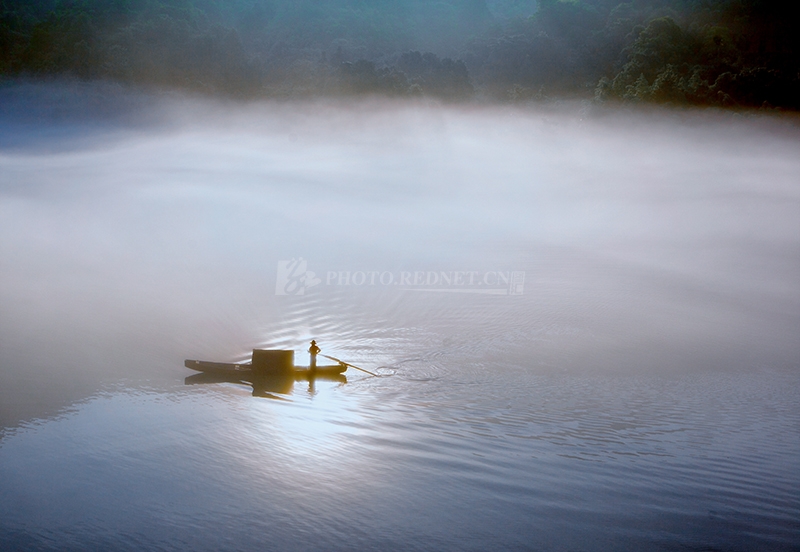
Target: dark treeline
<point x="703" y="52"/>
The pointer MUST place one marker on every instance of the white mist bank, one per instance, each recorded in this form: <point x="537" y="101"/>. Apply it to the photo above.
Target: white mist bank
<point x="136" y="237"/>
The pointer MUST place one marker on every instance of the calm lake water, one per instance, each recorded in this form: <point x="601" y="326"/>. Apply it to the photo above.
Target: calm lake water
<point x="585" y="325"/>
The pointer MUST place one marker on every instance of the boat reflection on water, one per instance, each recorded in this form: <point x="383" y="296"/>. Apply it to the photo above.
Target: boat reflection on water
<point x="268" y="385"/>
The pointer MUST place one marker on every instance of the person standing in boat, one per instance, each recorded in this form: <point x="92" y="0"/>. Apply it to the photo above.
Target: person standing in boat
<point x="313" y="351"/>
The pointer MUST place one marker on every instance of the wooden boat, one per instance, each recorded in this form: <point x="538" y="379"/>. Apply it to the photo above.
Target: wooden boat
<point x="247" y="371"/>
<point x="270" y="371"/>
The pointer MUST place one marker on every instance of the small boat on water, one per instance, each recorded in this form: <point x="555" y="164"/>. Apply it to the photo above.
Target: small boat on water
<point x="270" y="371"/>
<point x="271" y="362"/>
<point x="248" y="370"/>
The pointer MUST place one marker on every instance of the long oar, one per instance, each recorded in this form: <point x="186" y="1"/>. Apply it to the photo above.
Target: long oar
<point x="350" y="365"/>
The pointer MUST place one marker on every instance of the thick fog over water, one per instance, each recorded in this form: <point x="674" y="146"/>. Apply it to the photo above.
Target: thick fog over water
<point x="140" y="230"/>
<point x="585" y="320"/>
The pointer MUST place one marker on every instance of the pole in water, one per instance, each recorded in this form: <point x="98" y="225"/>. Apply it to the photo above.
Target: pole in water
<point x="350" y="365"/>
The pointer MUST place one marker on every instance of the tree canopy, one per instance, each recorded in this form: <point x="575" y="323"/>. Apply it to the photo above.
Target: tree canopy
<point x="703" y="52"/>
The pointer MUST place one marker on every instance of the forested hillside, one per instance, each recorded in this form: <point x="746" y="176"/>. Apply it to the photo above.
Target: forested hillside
<point x="737" y="53"/>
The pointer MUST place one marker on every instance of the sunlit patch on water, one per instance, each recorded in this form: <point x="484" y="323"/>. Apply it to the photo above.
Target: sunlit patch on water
<point x="310" y="430"/>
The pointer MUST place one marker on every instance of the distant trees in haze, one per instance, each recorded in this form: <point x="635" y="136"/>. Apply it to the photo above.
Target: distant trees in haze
<point x="702" y="52"/>
<point x="712" y="52"/>
<point x="743" y="55"/>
